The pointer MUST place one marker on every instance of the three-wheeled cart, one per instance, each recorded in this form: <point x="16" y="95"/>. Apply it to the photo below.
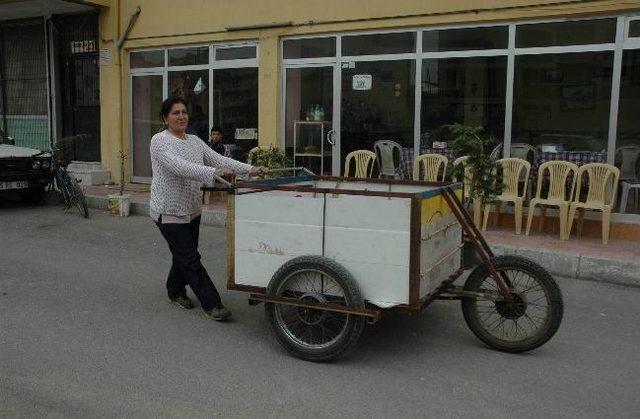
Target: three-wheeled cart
<point x="328" y="254"/>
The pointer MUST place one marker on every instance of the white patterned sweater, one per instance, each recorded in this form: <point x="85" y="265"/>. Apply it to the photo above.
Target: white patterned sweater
<point x="180" y="168"/>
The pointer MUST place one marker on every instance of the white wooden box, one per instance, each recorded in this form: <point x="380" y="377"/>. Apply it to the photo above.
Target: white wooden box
<point x="399" y="240"/>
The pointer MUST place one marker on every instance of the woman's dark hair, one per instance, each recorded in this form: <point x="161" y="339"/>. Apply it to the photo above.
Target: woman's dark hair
<point x="216" y="128"/>
<point x="168" y="104"/>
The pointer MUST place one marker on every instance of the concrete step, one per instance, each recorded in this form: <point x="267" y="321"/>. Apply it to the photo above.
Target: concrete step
<point x="84" y="166"/>
<point x="89" y="172"/>
<point x="93" y="177"/>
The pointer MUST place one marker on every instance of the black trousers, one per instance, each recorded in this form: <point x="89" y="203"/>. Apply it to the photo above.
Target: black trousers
<point x="186" y="268"/>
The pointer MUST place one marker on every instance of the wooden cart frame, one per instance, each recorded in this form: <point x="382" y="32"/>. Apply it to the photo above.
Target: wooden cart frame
<point x="471" y="237"/>
<point x="492" y="280"/>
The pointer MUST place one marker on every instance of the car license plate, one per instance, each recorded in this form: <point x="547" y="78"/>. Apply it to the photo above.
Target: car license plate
<point x="20" y="184"/>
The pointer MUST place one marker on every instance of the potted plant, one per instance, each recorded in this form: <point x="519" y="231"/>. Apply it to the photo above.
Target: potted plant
<point x="272" y="158"/>
<point x="472" y="142"/>
<point x="481" y="171"/>
<point x="120" y="204"/>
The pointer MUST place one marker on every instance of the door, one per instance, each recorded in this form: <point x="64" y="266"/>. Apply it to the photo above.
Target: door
<point x="77" y="49"/>
<point x="146" y="100"/>
<point x="377" y="103"/>
<point x="311" y="117"/>
<point x="81" y="104"/>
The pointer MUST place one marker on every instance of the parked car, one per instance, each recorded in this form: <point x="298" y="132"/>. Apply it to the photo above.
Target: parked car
<point x="25" y="171"/>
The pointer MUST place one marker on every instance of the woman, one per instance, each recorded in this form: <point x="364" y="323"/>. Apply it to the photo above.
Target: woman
<point x="181" y="164"/>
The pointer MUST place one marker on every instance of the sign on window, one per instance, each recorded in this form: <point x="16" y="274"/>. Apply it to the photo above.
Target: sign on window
<point x="361" y="82"/>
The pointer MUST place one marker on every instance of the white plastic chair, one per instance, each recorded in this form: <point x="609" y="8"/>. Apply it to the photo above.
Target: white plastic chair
<point x="388" y="154"/>
<point x="496" y="153"/>
<point x="364" y="160"/>
<point x="627" y="159"/>
<point x="431" y="165"/>
<point x="559" y="171"/>
<point x="522" y="150"/>
<point x="526" y="152"/>
<point x="601" y="196"/>
<point x="512" y="170"/>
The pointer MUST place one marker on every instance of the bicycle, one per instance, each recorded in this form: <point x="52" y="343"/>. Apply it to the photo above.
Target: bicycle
<point x="69" y="187"/>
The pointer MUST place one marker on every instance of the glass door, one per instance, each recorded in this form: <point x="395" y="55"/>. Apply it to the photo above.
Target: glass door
<point x="146" y="99"/>
<point x="311" y="137"/>
<point x="377" y="103"/>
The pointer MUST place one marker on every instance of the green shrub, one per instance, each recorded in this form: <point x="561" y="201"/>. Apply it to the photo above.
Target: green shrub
<point x="272" y="158"/>
<point x="472" y="142"/>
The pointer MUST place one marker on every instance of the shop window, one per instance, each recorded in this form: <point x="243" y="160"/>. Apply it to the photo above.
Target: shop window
<point x="468" y="91"/>
<point x="309" y="48"/>
<point x="596" y="31"/>
<point x="235" y="107"/>
<point x="189" y="56"/>
<point x="146" y="101"/>
<point x="561" y="101"/>
<point x="309" y="116"/>
<point x="627" y="156"/>
<point x="193" y="86"/>
<point x="495" y="37"/>
<point x="634" y="29"/>
<point x="236" y="53"/>
<point x="381" y="109"/>
<point x="146" y="59"/>
<point x="374" y="44"/>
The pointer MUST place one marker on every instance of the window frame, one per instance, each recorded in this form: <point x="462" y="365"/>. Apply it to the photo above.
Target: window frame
<point x="164" y="72"/>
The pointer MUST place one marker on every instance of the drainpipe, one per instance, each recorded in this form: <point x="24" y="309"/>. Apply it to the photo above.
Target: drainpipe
<point x="132" y="18"/>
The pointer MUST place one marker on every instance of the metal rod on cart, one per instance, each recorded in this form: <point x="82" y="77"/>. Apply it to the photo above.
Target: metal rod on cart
<point x="477" y="240"/>
<point x="290" y="169"/>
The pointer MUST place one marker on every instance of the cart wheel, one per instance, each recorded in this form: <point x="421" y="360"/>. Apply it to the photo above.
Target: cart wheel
<point x="315" y="335"/>
<point x="525" y="324"/>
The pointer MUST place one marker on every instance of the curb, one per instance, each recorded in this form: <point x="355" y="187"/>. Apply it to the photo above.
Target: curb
<point x="583" y="267"/>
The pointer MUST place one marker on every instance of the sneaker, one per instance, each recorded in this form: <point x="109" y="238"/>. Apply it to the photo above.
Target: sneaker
<point x="218" y="314"/>
<point x="183" y="301"/>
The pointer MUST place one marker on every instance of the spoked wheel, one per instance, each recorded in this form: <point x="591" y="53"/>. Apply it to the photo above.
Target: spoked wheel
<point x="309" y="333"/>
<point x="79" y="199"/>
<point x="72" y="193"/>
<point x="527" y="322"/>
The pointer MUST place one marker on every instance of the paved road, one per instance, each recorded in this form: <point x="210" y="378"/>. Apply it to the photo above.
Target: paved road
<point x="87" y="331"/>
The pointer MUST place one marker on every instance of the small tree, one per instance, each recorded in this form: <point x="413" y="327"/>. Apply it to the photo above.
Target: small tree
<point x="472" y="142"/>
<point x="123" y="157"/>
<point x="272" y="158"/>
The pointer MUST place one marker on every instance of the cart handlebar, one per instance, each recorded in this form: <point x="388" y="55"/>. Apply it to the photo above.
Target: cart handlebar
<point x="231" y="184"/>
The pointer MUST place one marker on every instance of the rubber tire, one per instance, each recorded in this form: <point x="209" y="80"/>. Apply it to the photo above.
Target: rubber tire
<point x="549" y="285"/>
<point x="72" y="192"/>
<point x="81" y="202"/>
<point x="355" y="324"/>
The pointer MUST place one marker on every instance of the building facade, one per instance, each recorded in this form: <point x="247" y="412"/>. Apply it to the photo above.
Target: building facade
<point x="320" y="79"/>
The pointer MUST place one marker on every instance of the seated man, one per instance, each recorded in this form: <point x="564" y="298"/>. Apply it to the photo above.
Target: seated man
<point x="215" y="140"/>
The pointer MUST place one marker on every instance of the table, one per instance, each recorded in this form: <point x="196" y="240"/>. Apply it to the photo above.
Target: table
<point x="405" y="166"/>
<point x="577" y="157"/>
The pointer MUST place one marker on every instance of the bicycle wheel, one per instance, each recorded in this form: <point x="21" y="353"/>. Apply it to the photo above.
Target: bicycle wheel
<point x="80" y="201"/>
<point x="524" y="324"/>
<point x="73" y="193"/>
<point x="315" y="334"/>
<point x="63" y="186"/>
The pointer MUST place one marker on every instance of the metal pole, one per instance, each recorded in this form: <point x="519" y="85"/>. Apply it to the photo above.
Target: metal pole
<point x="3" y="82"/>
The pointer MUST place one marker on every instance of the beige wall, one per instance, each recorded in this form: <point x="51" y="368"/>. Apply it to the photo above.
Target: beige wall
<point x="169" y="22"/>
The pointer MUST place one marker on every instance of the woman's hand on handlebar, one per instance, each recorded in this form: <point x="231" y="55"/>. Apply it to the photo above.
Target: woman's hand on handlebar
<point x="227" y="174"/>
<point x="258" y="171"/>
